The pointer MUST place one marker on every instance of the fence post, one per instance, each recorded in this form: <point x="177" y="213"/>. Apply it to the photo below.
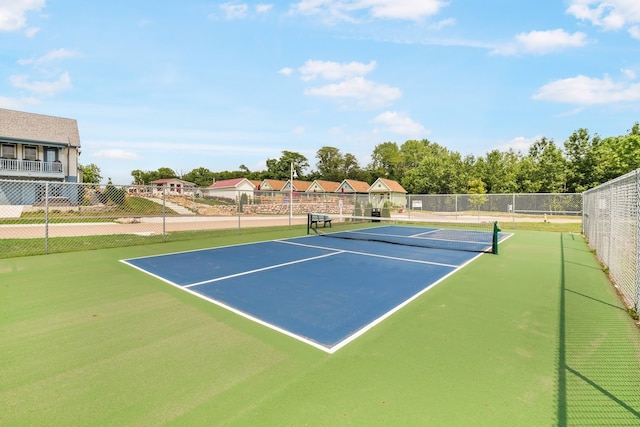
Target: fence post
<point x="164" y="214"/>
<point x="456" y="198"/>
<point x="637" y="301"/>
<point x="46" y="218"/>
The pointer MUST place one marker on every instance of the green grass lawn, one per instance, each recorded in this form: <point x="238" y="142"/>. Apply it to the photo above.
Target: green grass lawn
<point x="534" y="336"/>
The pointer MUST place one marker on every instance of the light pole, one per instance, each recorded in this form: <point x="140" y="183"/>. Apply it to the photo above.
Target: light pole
<point x="291" y="176"/>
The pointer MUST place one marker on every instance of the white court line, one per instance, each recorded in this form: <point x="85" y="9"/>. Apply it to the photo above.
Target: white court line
<point x="416" y="236"/>
<point x="426" y="232"/>
<point x="257" y="270"/>
<point x="373" y="255"/>
<point x="395" y="309"/>
<point x="236" y="311"/>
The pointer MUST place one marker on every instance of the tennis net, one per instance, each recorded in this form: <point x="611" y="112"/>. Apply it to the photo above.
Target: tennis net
<point x="477" y="237"/>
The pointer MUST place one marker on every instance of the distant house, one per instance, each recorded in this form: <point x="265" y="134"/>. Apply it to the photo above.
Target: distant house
<point x="272" y="185"/>
<point x="231" y="188"/>
<point x="386" y="189"/>
<point x="298" y="186"/>
<point x="353" y="186"/>
<point x="36" y="147"/>
<point x="174" y="186"/>
<point x="320" y="186"/>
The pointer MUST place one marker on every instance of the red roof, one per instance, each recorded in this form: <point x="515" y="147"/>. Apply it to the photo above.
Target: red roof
<point x="301" y="185"/>
<point x="275" y="184"/>
<point x="327" y="186"/>
<point x="358" y="186"/>
<point x="226" y="183"/>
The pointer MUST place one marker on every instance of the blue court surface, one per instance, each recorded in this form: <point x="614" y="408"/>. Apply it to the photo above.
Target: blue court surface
<point x="319" y="290"/>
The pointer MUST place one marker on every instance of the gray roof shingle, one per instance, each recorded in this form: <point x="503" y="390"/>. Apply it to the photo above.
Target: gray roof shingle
<point x="38" y="128"/>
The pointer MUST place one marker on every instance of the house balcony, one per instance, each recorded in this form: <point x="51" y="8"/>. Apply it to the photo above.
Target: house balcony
<point x="13" y="168"/>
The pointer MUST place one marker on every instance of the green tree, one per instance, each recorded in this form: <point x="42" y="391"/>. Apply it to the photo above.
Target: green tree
<point x="91" y="173"/>
<point x="281" y="168"/>
<point x="549" y="166"/>
<point x="499" y="171"/>
<point x="351" y="168"/>
<point x="412" y="152"/>
<point x="581" y="153"/>
<point x="330" y="164"/>
<point x="138" y="177"/>
<point x="617" y="156"/>
<point x="478" y="194"/>
<point x="439" y="172"/>
<point x="165" y="172"/>
<point x="386" y="161"/>
<point x="201" y="177"/>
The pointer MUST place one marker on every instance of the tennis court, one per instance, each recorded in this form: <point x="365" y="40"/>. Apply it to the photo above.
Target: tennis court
<point x="322" y="291"/>
<point x="533" y="336"/>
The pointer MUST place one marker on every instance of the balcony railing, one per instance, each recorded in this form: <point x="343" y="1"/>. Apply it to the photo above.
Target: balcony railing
<point x="19" y="167"/>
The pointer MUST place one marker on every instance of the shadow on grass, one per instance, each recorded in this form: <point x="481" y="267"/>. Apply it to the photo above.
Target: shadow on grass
<point x="598" y="350"/>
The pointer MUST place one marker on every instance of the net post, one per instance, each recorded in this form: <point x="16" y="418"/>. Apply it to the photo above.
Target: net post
<point x="308" y="223"/>
<point x="496" y="230"/>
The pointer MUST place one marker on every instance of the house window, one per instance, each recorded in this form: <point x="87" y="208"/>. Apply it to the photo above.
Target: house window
<point x="30" y="152"/>
<point x="8" y="151"/>
<point x="50" y="154"/>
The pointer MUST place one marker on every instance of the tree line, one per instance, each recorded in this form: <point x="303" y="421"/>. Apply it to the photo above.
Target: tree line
<point x="426" y="167"/>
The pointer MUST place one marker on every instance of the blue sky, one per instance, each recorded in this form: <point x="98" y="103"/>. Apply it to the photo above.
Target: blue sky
<point x="221" y="84"/>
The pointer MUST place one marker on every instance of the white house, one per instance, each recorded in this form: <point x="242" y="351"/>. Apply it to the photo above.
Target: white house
<point x="231" y="188"/>
<point x="386" y="189"/>
<point x="320" y="186"/>
<point x="174" y="186"/>
<point x="353" y="186"/>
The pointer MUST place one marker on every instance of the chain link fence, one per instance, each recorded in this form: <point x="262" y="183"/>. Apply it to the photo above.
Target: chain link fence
<point x="38" y="217"/>
<point x="612" y="227"/>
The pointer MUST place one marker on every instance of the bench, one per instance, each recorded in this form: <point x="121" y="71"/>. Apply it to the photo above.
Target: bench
<point x="324" y="219"/>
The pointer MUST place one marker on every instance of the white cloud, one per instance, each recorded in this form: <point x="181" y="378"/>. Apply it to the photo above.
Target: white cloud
<point x="329" y="70"/>
<point x="403" y="9"/>
<point x="298" y="130"/>
<point x="13" y="13"/>
<point x="542" y="42"/>
<point x="116" y="153"/>
<point x="287" y="71"/>
<point x="234" y="10"/>
<point x="263" y="8"/>
<point x="635" y="32"/>
<point x="519" y="143"/>
<point x="49" y="57"/>
<point x="42" y="88"/>
<point x="583" y="90"/>
<point x="16" y="104"/>
<point x="631" y="75"/>
<point x="31" y="32"/>
<point x="437" y="26"/>
<point x="350" y="83"/>
<point x="366" y="93"/>
<point x="401" y="124"/>
<point x="547" y="41"/>
<point x="609" y="14"/>
<point x="346" y="10"/>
